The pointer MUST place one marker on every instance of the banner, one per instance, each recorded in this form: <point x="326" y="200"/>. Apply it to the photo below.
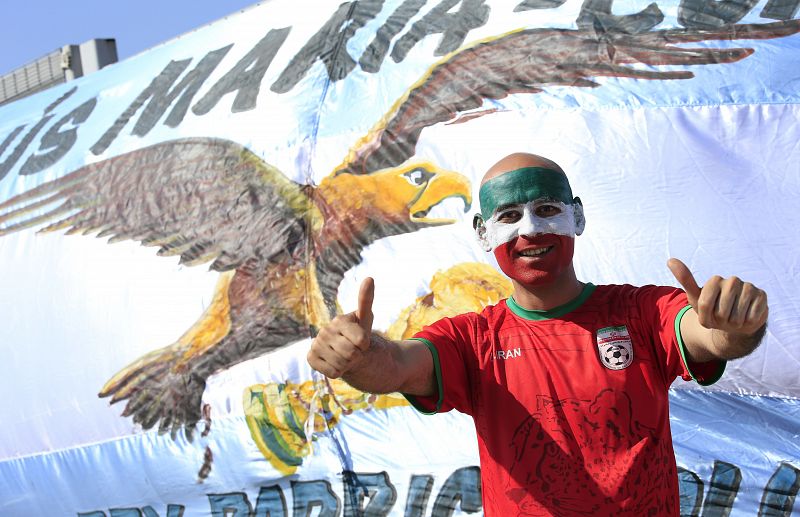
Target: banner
<point x="175" y="228"/>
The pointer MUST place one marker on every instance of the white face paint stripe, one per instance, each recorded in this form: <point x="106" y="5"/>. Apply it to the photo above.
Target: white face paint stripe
<point x="530" y="224"/>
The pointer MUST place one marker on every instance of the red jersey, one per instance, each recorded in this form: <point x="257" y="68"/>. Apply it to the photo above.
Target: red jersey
<point x="570" y="405"/>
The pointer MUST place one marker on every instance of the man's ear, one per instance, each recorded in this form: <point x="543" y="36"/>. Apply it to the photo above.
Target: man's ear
<point x="480" y="232"/>
<point x="580" y="219"/>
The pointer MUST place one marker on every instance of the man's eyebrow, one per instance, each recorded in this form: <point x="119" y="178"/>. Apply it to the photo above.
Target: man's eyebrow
<point x="543" y="199"/>
<point x="506" y="206"/>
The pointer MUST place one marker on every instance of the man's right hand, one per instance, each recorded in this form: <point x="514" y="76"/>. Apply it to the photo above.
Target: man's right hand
<point x="340" y="346"/>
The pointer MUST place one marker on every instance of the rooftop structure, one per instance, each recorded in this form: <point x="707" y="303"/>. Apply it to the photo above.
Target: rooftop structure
<point x="59" y="66"/>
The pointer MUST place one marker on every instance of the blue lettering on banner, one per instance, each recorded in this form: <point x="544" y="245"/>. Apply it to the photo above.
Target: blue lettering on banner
<point x="376" y="495"/>
<point x="777" y="500"/>
<point x="234" y="504"/>
<point x="462" y="489"/>
<point x="419" y="491"/>
<point x="173" y="510"/>
<point x="780" y="492"/>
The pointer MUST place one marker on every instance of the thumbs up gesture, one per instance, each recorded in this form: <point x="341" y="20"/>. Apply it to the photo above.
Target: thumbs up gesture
<point x="340" y="346"/>
<point x="726" y="304"/>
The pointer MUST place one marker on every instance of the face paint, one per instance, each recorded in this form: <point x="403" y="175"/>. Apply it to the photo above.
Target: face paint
<point x="523" y="185"/>
<point x="532" y="224"/>
<point x="538" y="217"/>
<point x="537" y="260"/>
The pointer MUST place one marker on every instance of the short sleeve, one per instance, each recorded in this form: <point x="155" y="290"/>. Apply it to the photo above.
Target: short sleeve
<point x="450" y="341"/>
<point x="661" y="308"/>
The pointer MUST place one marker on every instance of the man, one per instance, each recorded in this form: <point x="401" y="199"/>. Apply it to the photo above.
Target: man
<point x="566" y="381"/>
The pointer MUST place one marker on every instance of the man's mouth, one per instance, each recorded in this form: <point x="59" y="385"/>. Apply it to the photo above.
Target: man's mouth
<point x="535" y="252"/>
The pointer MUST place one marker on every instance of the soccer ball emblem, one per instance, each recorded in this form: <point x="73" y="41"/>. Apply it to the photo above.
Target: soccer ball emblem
<point x="616" y="357"/>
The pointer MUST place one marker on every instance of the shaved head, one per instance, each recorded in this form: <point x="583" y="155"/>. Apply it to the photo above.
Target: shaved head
<point x="522" y="177"/>
<point x="529" y="220"/>
<point x="516" y="161"/>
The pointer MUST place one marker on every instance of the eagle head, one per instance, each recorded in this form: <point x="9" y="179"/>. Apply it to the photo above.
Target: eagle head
<point x="410" y="192"/>
<point x="392" y="200"/>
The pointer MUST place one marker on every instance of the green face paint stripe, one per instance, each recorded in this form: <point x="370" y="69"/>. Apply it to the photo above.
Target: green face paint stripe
<point x="522" y="185"/>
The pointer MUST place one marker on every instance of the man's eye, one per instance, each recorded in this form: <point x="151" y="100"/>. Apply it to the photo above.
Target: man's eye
<point x="547" y="210"/>
<point x="509" y="216"/>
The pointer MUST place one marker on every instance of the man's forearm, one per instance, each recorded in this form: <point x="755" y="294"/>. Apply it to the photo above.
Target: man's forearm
<point x="347" y="348"/>
<point x="391" y="366"/>
<point x="379" y="371"/>
<point x="728" y="345"/>
<point x="704" y="344"/>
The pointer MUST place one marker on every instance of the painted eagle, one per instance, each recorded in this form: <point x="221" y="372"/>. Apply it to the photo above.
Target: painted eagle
<point x="282" y="248"/>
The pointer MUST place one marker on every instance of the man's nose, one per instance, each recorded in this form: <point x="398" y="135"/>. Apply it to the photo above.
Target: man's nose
<point x="528" y="224"/>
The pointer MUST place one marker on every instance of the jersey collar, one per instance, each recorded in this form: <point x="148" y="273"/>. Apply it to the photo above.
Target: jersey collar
<point x="555" y="312"/>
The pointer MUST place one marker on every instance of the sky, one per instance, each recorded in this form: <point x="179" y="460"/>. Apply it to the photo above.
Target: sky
<point x="33" y="28"/>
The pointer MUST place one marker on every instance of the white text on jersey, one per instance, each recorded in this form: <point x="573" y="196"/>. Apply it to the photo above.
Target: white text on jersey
<point x="507" y="354"/>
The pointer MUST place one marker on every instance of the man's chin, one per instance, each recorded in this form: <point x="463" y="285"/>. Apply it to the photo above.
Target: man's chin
<point x="530" y="278"/>
<point x="535" y="282"/>
<point x="528" y="271"/>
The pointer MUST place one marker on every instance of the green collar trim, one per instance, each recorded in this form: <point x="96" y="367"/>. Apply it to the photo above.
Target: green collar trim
<point x="522" y="185"/>
<point x="555" y="312"/>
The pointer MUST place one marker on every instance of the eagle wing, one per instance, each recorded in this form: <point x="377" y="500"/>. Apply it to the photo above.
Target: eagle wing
<point x="203" y="199"/>
<point x="527" y="61"/>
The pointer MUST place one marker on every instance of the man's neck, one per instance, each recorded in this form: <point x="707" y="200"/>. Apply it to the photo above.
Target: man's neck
<point x="545" y="297"/>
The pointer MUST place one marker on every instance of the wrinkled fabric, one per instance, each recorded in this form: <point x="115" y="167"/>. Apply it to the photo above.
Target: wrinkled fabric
<point x="251" y="173"/>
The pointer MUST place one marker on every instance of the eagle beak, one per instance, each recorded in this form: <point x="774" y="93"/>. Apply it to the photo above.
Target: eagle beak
<point x="444" y="185"/>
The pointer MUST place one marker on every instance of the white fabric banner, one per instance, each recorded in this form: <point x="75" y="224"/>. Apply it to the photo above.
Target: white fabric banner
<point x="250" y="174"/>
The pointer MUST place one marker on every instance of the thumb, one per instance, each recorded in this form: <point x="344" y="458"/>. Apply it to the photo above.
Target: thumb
<point x="686" y="279"/>
<point x="366" y="294"/>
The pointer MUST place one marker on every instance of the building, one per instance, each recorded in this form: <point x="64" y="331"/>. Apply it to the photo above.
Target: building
<point x="59" y="66"/>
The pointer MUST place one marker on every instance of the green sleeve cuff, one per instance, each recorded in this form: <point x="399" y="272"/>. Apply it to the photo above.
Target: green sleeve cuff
<point x="437" y="371"/>
<point x="702" y="380"/>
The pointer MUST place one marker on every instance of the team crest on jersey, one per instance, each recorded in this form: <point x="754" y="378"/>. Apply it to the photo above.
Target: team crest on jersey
<point x="615" y="347"/>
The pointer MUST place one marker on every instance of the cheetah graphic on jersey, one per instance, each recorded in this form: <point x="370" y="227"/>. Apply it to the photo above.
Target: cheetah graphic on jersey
<point x="549" y="469"/>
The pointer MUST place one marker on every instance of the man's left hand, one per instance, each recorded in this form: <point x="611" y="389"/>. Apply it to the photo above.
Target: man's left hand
<point x="727" y="304"/>
<point x="737" y="309"/>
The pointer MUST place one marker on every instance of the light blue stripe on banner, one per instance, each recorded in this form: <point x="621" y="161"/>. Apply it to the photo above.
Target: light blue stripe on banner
<point x="736" y="453"/>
